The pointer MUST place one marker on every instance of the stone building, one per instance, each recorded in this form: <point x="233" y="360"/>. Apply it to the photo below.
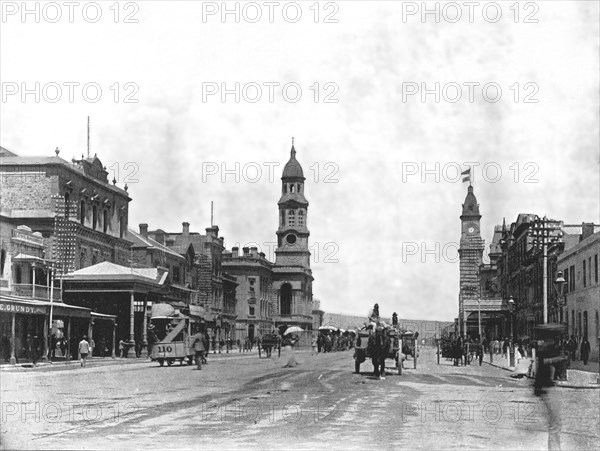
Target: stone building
<point x="78" y="219"/>
<point x="255" y="294"/>
<point x="579" y="307"/>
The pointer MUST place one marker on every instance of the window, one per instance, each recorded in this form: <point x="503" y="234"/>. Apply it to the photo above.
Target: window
<point x="291" y="218"/>
<point x="286" y="299"/>
<point x="584" y="275"/>
<point x="282" y="219"/>
<point x="82" y="212"/>
<point x="292" y="188"/>
<point x="596" y="269"/>
<point x="94" y="217"/>
<point x="585" y="324"/>
<point x="2" y="261"/>
<point x="251" y="310"/>
<point x="590" y="269"/>
<point x="105" y="220"/>
<point x="566" y="277"/>
<point x="572" y="278"/>
<point x="18" y="275"/>
<point x="284" y="188"/>
<point x="175" y="274"/>
<point x="121" y="226"/>
<point x="301" y="218"/>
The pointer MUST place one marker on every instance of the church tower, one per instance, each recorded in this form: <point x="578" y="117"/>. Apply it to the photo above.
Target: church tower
<point x="470" y="254"/>
<point x="292" y="276"/>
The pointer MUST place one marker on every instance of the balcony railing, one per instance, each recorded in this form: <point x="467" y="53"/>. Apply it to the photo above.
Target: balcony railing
<point x="41" y="292"/>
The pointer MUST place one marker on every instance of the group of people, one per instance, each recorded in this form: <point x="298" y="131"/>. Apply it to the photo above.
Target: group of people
<point x="334" y="341"/>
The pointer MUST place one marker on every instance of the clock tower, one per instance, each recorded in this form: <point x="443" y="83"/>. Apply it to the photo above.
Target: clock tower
<point x="470" y="254"/>
<point x="292" y="276"/>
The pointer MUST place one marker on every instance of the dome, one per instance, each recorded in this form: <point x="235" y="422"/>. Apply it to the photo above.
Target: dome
<point x="292" y="167"/>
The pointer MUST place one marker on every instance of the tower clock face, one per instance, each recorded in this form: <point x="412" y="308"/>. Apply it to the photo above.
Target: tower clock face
<point x="291" y="238"/>
<point x="471" y="229"/>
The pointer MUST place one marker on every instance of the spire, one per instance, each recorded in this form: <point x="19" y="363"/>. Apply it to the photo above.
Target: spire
<point x="470" y="207"/>
<point x="293" y="151"/>
<point x="292" y="167"/>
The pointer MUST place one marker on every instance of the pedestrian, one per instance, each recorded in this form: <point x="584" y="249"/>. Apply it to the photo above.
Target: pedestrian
<point x="84" y="349"/>
<point x="63" y="346"/>
<point x="214" y="344"/>
<point x="314" y="346"/>
<point x="585" y="350"/>
<point x="206" y="347"/>
<point x="239" y="345"/>
<point x="198" y="343"/>
<point x="122" y="352"/>
<point x="221" y="344"/>
<point x="572" y="345"/>
<point x="288" y="344"/>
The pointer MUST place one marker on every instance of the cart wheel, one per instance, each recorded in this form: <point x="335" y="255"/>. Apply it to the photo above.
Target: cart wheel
<point x="170" y="361"/>
<point x="181" y="361"/>
<point x="161" y="361"/>
<point x="356" y="366"/>
<point x="190" y="360"/>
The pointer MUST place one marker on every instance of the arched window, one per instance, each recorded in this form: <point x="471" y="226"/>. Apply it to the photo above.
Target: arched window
<point x="292" y="188"/>
<point x="105" y="220"/>
<point x="94" y="217"/>
<point x="286" y="299"/>
<point x="251" y="310"/>
<point x="285" y="188"/>
<point x="291" y="218"/>
<point x="298" y="187"/>
<point x="301" y="218"/>
<point x="82" y="212"/>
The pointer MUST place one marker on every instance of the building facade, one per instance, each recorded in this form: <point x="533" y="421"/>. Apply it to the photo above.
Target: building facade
<point x="580" y="305"/>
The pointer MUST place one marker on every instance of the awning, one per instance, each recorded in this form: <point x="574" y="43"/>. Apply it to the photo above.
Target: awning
<point x="28" y="258"/>
<point x="61" y="309"/>
<point x="26" y="306"/>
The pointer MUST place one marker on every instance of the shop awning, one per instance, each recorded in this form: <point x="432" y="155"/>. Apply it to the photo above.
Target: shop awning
<point x="26" y="306"/>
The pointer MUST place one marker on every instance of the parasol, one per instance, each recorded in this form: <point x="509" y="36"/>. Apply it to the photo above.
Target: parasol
<point x="293" y="330"/>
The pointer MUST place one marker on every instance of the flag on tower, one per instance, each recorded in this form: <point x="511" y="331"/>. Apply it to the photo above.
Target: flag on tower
<point x="468" y="175"/>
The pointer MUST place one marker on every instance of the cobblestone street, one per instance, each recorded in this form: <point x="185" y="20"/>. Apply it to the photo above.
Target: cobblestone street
<point x="241" y="401"/>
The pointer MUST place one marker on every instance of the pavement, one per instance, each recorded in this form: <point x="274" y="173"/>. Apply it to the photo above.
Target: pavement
<point x="578" y="374"/>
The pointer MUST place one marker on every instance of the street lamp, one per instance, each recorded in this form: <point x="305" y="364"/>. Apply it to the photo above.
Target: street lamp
<point x="511" y="308"/>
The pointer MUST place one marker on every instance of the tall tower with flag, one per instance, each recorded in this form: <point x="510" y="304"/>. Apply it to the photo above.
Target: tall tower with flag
<point x="470" y="253"/>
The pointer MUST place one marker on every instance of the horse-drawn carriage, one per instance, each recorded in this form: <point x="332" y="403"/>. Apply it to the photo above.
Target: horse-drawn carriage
<point x="268" y="342"/>
<point x="363" y="350"/>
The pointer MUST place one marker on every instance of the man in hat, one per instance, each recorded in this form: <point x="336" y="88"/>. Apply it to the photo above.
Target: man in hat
<point x="198" y="343"/>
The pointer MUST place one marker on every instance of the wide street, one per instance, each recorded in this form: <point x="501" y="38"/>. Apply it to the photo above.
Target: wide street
<point x="241" y="401"/>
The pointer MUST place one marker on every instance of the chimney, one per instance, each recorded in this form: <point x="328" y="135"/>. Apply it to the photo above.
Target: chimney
<point x="186" y="228"/>
<point x="587" y="229"/>
<point x="144" y="230"/>
<point x="246" y="251"/>
<point x="254" y="252"/>
<point x="234" y="252"/>
<point x="213" y="231"/>
<point x="159" y="236"/>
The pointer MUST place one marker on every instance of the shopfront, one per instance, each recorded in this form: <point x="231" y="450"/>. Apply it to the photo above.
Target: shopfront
<point x="22" y="330"/>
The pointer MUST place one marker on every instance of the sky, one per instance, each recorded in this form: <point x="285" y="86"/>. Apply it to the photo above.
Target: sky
<point x="386" y="106"/>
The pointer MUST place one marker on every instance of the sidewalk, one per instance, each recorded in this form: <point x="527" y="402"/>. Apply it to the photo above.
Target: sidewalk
<point x="578" y="374"/>
<point x="101" y="362"/>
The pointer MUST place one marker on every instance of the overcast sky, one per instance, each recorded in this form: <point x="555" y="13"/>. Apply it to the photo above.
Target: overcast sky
<point x="362" y="133"/>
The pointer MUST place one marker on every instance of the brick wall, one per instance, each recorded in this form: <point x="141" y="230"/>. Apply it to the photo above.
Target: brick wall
<point x="27" y="191"/>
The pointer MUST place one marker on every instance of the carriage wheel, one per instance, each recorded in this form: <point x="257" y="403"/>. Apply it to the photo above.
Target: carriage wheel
<point x="170" y="362"/>
<point x="161" y="362"/>
<point x="190" y="360"/>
